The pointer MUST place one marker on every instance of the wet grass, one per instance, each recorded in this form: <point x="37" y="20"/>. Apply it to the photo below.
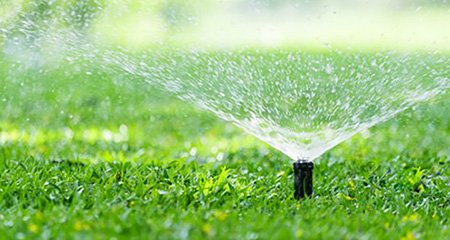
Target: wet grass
<point x="90" y="156"/>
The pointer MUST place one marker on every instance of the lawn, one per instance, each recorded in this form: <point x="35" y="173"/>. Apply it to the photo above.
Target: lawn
<point x="88" y="155"/>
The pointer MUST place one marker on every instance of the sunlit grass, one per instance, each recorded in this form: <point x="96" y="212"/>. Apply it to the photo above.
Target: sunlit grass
<point x="88" y="156"/>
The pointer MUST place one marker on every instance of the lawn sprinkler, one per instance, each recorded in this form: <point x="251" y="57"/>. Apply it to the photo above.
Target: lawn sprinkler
<point x="303" y="179"/>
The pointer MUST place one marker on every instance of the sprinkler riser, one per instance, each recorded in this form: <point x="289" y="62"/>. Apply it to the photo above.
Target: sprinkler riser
<point x="303" y="179"/>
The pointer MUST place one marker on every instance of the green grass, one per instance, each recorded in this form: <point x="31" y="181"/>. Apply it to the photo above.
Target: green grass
<point x="93" y="156"/>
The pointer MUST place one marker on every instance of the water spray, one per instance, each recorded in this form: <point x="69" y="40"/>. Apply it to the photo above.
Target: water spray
<point x="300" y="102"/>
<point x="303" y="179"/>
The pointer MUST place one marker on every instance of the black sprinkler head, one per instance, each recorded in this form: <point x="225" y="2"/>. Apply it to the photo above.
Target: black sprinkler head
<point x="303" y="179"/>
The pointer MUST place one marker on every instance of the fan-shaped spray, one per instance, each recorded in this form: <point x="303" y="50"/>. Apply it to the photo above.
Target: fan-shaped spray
<point x="300" y="102"/>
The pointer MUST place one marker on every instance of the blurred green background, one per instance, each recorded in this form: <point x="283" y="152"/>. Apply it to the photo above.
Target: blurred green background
<point x="136" y="24"/>
<point x="71" y="132"/>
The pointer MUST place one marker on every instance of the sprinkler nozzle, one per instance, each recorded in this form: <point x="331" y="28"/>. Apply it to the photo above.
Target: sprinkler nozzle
<point x="303" y="179"/>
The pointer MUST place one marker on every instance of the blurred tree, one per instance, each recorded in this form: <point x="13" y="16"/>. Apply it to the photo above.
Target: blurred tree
<point x="80" y="14"/>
